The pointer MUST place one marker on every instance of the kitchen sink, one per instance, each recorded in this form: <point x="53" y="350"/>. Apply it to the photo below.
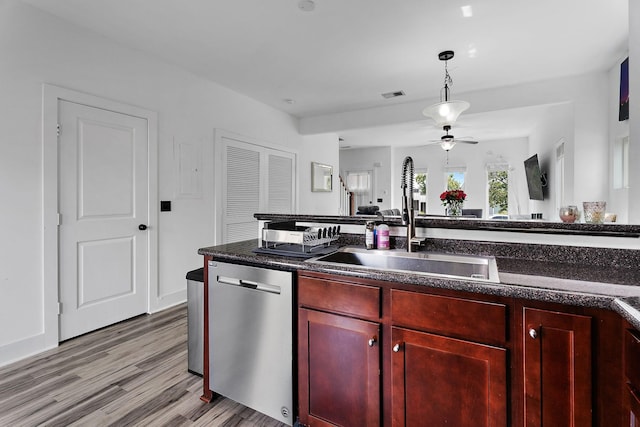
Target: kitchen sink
<point x="472" y="267"/>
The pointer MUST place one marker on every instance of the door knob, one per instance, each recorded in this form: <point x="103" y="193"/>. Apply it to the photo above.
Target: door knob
<point x="372" y="341"/>
<point x="396" y="348"/>
<point x="533" y="333"/>
<point x="142" y="227"/>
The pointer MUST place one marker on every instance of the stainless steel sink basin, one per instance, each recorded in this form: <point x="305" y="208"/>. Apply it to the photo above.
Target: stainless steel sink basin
<point x="472" y="267"/>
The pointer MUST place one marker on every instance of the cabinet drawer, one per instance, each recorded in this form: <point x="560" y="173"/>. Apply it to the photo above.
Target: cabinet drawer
<point x="348" y="298"/>
<point x="474" y="320"/>
<point x="632" y="357"/>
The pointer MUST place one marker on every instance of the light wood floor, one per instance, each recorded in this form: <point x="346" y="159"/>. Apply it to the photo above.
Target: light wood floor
<point x="131" y="373"/>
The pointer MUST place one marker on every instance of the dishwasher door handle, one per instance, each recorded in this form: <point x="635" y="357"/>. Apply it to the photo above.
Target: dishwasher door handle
<point x="249" y="284"/>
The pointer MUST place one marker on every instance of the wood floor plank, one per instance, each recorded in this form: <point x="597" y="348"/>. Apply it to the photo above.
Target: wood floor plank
<point x="133" y="373"/>
<point x="78" y="411"/>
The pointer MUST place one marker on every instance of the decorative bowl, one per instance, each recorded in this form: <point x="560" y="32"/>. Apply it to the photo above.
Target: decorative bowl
<point x="568" y="214"/>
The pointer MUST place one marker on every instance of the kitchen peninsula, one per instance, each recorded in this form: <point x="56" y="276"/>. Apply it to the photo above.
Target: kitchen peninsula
<point x="553" y="343"/>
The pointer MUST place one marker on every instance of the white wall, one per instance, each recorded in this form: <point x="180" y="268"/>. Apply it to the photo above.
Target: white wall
<point x="617" y="202"/>
<point x="591" y="141"/>
<point x="557" y="124"/>
<point x="634" y="112"/>
<point x="322" y="148"/>
<point x="37" y="48"/>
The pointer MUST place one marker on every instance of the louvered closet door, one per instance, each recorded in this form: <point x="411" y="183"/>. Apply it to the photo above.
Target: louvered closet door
<point x="255" y="179"/>
<point x="280" y="184"/>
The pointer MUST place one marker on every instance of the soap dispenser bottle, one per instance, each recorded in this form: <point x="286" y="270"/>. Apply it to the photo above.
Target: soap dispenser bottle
<point x="370" y="235"/>
<point x="383" y="236"/>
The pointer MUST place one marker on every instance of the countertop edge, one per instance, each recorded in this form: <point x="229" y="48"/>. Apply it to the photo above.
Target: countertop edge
<point x="504" y="225"/>
<point x="629" y="308"/>
<point x="622" y="299"/>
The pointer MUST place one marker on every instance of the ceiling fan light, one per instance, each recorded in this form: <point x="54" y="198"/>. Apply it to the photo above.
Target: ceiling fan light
<point x="446" y="113"/>
<point x="447" y="144"/>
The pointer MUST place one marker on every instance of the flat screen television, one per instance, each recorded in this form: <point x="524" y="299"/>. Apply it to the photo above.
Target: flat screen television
<point x="535" y="179"/>
<point x="623" y="112"/>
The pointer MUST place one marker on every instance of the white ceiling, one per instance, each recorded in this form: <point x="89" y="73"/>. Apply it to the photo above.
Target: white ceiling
<point x="343" y="55"/>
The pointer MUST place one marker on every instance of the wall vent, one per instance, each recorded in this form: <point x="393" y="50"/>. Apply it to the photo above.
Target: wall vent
<point x="395" y="94"/>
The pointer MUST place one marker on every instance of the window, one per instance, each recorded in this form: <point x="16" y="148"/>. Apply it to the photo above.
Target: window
<point x="360" y="182"/>
<point x="559" y="173"/>
<point x="420" y="190"/>
<point x="454" y="178"/>
<point x="621" y="163"/>
<point x="625" y="162"/>
<point x="498" y="189"/>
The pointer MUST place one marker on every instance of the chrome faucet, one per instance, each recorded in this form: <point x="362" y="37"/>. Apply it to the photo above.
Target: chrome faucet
<point x="407" y="200"/>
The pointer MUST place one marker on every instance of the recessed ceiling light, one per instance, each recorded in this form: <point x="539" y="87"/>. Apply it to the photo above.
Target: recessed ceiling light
<point x="306" y="5"/>
<point x="467" y="11"/>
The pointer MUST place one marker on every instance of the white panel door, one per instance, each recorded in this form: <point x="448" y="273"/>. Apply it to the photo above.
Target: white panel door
<point x="103" y="202"/>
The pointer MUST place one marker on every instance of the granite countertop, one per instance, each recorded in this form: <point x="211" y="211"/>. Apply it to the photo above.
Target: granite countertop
<point x="500" y="225"/>
<point x="615" y="288"/>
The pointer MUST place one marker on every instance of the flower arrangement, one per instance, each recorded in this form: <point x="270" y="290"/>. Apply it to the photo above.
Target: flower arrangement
<point x="452" y="200"/>
<point x="452" y="195"/>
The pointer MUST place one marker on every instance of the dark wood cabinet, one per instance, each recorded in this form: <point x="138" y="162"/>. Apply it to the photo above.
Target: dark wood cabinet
<point x="339" y="367"/>
<point x="441" y="381"/>
<point x="632" y="377"/>
<point x="380" y="353"/>
<point x="470" y="319"/>
<point x="448" y="366"/>
<point x="557" y="369"/>
<point x="632" y="411"/>
<point x="339" y="358"/>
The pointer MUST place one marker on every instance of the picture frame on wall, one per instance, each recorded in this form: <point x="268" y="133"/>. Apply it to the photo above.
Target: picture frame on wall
<point x="321" y="177"/>
<point x="623" y="113"/>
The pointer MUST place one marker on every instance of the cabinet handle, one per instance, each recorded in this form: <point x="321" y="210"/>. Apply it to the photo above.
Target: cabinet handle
<point x="372" y="341"/>
<point x="396" y="348"/>
<point x="533" y="333"/>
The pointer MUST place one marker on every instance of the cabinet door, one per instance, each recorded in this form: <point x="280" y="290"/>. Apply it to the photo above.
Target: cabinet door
<point x="439" y="381"/>
<point x="557" y="369"/>
<point x="633" y="407"/>
<point x="632" y="376"/>
<point x="339" y="370"/>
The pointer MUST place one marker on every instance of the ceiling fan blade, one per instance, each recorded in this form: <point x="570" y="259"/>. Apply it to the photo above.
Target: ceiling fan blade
<point x="465" y="141"/>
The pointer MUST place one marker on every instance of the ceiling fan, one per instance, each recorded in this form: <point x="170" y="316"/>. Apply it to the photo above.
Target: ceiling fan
<point x="447" y="141"/>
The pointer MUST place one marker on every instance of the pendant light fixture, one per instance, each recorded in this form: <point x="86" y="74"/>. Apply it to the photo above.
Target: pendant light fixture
<point x="446" y="112"/>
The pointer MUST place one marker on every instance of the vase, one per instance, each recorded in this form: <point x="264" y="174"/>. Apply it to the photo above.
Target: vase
<point x="454" y="208"/>
<point x="594" y="212"/>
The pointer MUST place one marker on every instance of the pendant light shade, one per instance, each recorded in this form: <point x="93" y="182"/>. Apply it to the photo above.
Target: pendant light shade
<point x="446" y="112"/>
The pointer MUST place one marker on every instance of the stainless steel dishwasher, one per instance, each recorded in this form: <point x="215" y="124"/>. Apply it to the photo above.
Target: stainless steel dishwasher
<point x="251" y="337"/>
